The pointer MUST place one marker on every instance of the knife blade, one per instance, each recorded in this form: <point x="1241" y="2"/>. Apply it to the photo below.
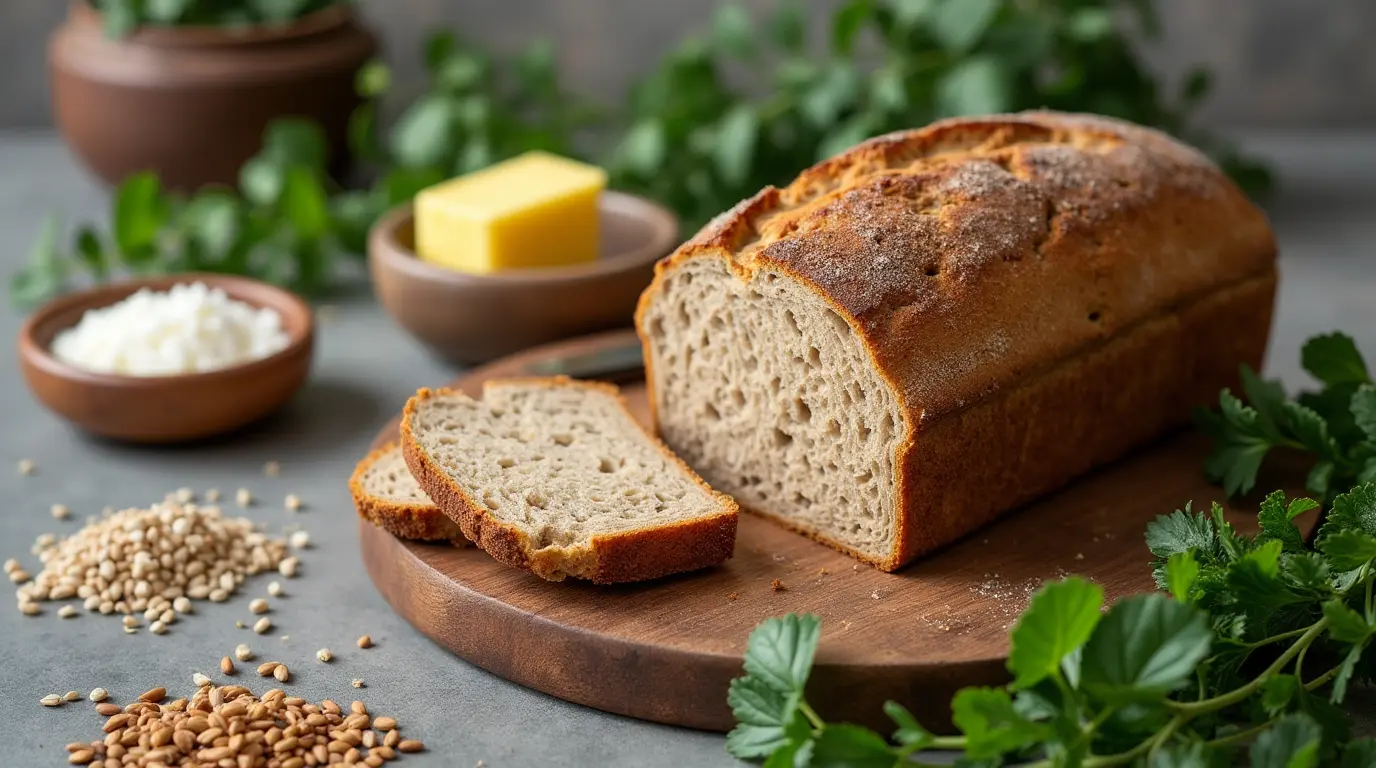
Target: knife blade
<point x="620" y="363"/>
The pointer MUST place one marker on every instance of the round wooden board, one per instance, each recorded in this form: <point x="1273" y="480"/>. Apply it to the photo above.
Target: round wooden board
<point x="666" y="650"/>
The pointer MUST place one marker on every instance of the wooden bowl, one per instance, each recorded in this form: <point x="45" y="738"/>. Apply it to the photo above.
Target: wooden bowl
<point x="470" y="319"/>
<point x="166" y="409"/>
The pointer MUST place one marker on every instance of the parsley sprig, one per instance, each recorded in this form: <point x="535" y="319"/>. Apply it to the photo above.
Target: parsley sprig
<point x="1335" y="425"/>
<point x="1252" y="646"/>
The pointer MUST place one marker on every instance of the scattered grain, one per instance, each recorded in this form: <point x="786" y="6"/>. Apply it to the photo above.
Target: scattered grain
<point x="157" y="628"/>
<point x="26" y="467"/>
<point x="182" y="604"/>
<point x="262" y="626"/>
<point x="154" y="695"/>
<point x="242" y="652"/>
<point x="357" y="683"/>
<point x="67" y="611"/>
<point x="732" y="595"/>
<point x="324" y="655"/>
<point x="266" y="668"/>
<point x="410" y="745"/>
<point x="130" y="621"/>
<point x="275" y="588"/>
<point x="72" y="696"/>
<point x="239" y="624"/>
<point x="384" y="723"/>
<point x="19" y="575"/>
<point x="259" y="605"/>
<point x="288" y="566"/>
<point x="51" y="700"/>
<point x="293" y="503"/>
<point x="391" y="738"/>
<point x="81" y="756"/>
<point x="777" y="585"/>
<point x="226" y="666"/>
<point x="184" y="495"/>
<point x="60" y="511"/>
<point x="281" y="673"/>
<point x="201" y="680"/>
<point x="105" y="709"/>
<point x="299" y="540"/>
<point x="212" y="495"/>
<point x="11" y="565"/>
<point x="365" y="642"/>
<point x="98" y="695"/>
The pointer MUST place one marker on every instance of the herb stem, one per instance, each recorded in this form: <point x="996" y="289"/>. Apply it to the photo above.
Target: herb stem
<point x="1232" y="697"/>
<point x="1323" y="679"/>
<point x="1240" y="736"/>
<point x="811" y="715"/>
<point x="1278" y="638"/>
<point x="948" y="742"/>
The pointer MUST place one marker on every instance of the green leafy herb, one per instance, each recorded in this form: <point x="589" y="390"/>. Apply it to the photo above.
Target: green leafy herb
<point x="1335" y="426"/>
<point x="1251" y="654"/>
<point x="124" y="16"/>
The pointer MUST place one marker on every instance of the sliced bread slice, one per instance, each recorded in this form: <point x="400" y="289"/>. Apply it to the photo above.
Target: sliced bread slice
<point x="556" y="477"/>
<point x="387" y="495"/>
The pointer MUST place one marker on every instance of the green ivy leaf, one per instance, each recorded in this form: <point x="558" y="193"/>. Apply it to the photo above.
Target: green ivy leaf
<point x="643" y="148"/>
<point x="735" y="144"/>
<point x="140" y="213"/>
<point x="1059" y="619"/>
<point x="767" y="719"/>
<point x="1182" y="573"/>
<point x="1334" y="359"/>
<point x="780" y="651"/>
<point x="1182" y="531"/>
<point x="1277" y="692"/>
<point x="1363" y="407"/>
<point x="1293" y="742"/>
<point x="977" y="85"/>
<point x="212" y="220"/>
<point x="910" y="733"/>
<point x="851" y="746"/>
<point x="1145" y="647"/>
<point x="423" y="134"/>
<point x="1354" y="510"/>
<point x="261" y="181"/>
<point x="991" y="725"/>
<point x="959" y="26"/>
<point x="90" y="252"/>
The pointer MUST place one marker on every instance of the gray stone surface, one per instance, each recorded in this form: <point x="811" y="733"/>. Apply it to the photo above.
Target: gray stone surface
<point x="364" y="371"/>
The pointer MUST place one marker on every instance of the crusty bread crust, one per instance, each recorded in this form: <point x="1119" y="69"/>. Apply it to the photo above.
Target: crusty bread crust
<point x="416" y="522"/>
<point x="1041" y="291"/>
<point x="629" y="556"/>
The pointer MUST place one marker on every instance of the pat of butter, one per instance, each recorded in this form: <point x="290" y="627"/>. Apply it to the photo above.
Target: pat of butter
<point x="535" y="210"/>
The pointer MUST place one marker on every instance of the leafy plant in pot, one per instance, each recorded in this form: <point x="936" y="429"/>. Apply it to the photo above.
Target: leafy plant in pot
<point x="185" y="88"/>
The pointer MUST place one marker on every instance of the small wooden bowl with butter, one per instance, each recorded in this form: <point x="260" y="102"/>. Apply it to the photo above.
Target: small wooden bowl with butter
<point x="499" y="263"/>
<point x="138" y="406"/>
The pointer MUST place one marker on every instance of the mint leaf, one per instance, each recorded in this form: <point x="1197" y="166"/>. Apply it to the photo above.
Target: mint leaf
<point x="1293" y="742"/>
<point x="1307" y="572"/>
<point x="735" y="145"/>
<point x="780" y="651"/>
<point x="140" y="213"/>
<point x="910" y="733"/>
<point x="1059" y="618"/>
<point x="305" y="204"/>
<point x="1363" y="407"/>
<point x="1182" y="573"/>
<point x="1190" y="755"/>
<point x="851" y="746"/>
<point x="423" y="135"/>
<point x="1311" y="430"/>
<point x="1345" y="624"/>
<point x="1275" y="518"/>
<point x="1334" y="359"/>
<point x="990" y="723"/>
<point x="1347" y="550"/>
<point x="976" y="86"/>
<point x="767" y="719"/>
<point x="846" y="24"/>
<point x="1256" y="584"/>
<point x="1145" y="647"/>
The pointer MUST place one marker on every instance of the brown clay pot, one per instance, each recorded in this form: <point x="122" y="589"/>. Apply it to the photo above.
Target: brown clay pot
<point x="191" y="103"/>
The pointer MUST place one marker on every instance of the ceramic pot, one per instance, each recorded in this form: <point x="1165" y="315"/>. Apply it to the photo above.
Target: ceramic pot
<point x="191" y="103"/>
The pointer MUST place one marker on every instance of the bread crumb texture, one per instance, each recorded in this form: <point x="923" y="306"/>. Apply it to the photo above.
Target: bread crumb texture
<point x="812" y="351"/>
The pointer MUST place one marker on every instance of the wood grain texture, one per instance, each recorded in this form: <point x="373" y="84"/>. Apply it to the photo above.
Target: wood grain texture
<point x="666" y="650"/>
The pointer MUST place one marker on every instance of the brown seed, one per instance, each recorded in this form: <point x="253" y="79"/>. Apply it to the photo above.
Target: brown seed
<point x="116" y="722"/>
<point x="106" y="709"/>
<point x="72" y="696"/>
<point x="227" y="666"/>
<point x="365" y="642"/>
<point x="373" y="761"/>
<point x="391" y="739"/>
<point x="77" y="746"/>
<point x="154" y="696"/>
<point x="99" y="694"/>
<point x="370" y="739"/>
<point x="81" y="757"/>
<point x="51" y="700"/>
<point x="410" y="745"/>
<point x="266" y="668"/>
<point x="358" y="708"/>
<point x="384" y="723"/>
<point x="258" y="605"/>
<point x="263" y="625"/>
<point x="282" y="673"/>
<point x="386" y="752"/>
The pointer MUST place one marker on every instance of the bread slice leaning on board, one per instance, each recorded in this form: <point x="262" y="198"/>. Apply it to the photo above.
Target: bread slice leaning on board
<point x="556" y="477"/>
<point x="386" y="495"/>
<point x="940" y="325"/>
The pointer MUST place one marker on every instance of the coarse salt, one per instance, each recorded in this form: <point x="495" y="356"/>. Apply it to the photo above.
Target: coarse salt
<point x="187" y="329"/>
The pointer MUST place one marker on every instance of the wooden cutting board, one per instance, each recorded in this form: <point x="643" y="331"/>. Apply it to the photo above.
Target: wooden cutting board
<point x="666" y="650"/>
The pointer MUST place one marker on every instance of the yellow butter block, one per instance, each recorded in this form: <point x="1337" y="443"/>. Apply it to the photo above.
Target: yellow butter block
<point x="535" y="210"/>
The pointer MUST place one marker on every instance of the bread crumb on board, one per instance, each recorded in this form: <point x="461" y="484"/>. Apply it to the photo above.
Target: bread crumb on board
<point x="777" y="585"/>
<point x="733" y="595"/>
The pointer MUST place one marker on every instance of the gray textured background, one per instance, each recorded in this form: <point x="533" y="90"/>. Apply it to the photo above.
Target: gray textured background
<point x="1279" y="64"/>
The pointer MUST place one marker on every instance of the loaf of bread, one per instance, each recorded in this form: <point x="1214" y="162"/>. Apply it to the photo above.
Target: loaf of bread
<point x="386" y="495"/>
<point x="556" y="477"/>
<point x="940" y="325"/>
